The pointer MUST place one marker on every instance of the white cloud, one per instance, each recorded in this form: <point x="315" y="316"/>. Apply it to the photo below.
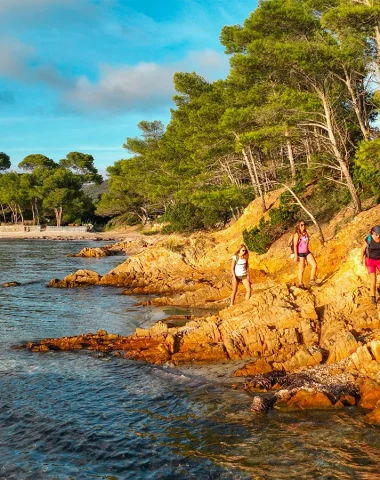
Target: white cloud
<point x="16" y="7"/>
<point x="13" y="57"/>
<point x="145" y="85"/>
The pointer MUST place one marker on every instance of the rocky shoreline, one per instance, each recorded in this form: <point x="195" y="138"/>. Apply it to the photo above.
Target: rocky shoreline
<point x="315" y="348"/>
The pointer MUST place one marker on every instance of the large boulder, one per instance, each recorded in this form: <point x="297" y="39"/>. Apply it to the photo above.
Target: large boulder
<point x="78" y="279"/>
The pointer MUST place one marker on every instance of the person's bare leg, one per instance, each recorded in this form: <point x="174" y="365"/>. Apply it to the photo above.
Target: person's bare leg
<point x="247" y="286"/>
<point x="372" y="287"/>
<point x="301" y="268"/>
<point x="313" y="265"/>
<point x="235" y="285"/>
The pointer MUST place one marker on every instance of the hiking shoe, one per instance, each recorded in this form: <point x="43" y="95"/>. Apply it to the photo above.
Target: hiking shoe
<point x="312" y="283"/>
<point x="302" y="287"/>
<point x="378" y="291"/>
<point x="373" y="300"/>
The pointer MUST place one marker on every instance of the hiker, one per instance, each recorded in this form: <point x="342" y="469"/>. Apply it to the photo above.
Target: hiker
<point x="371" y="259"/>
<point x="302" y="253"/>
<point x="240" y="272"/>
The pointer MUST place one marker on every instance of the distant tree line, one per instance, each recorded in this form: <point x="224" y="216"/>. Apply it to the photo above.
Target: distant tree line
<point x="47" y="189"/>
<point x="298" y="108"/>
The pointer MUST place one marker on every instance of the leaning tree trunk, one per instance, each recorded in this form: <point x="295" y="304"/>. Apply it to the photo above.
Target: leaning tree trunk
<point x="363" y="123"/>
<point x="290" y="154"/>
<point x="251" y="173"/>
<point x="297" y="199"/>
<point x="338" y="155"/>
<point x="259" y="187"/>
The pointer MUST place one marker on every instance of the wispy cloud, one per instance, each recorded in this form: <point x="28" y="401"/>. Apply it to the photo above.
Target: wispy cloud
<point x="18" y="6"/>
<point x="14" y="55"/>
<point x="146" y="85"/>
<point x="21" y="62"/>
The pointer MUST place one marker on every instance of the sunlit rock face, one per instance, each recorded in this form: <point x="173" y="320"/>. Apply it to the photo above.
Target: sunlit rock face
<point x="280" y="328"/>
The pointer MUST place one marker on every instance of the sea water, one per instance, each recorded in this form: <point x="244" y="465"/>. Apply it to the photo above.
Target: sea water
<point x="76" y="415"/>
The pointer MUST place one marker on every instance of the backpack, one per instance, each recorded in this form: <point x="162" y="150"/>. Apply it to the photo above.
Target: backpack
<point x="368" y="241"/>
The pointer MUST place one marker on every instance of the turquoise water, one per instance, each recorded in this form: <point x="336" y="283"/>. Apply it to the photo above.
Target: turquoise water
<point x="72" y="415"/>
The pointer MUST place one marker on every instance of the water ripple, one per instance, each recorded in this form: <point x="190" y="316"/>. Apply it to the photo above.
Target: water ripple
<point x="70" y="415"/>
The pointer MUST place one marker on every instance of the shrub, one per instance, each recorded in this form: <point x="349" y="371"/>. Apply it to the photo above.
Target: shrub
<point x="183" y="217"/>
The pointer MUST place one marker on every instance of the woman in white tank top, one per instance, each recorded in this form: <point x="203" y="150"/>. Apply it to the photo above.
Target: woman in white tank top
<point x="240" y="272"/>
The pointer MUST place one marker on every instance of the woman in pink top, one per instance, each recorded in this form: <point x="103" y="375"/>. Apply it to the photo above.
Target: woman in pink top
<point x="302" y="253"/>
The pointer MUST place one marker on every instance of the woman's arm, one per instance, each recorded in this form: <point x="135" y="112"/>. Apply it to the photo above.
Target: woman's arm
<point x="295" y="246"/>
<point x="362" y="256"/>
<point x="233" y="267"/>
<point x="248" y="271"/>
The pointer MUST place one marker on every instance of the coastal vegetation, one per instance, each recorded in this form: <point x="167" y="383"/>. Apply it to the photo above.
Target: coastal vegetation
<point x="298" y="108"/>
<point x="47" y="189"/>
<point x="297" y="111"/>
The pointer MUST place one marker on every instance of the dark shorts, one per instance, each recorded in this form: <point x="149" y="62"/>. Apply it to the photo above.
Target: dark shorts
<point x="303" y="255"/>
<point x="240" y="278"/>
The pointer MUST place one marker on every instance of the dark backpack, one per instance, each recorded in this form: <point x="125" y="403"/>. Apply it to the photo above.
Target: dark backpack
<point x="368" y="241"/>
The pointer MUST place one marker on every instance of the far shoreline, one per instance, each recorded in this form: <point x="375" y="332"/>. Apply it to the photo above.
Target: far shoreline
<point x="127" y="234"/>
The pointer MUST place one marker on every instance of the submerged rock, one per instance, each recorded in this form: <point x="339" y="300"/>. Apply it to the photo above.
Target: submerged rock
<point x="11" y="284"/>
<point x="312" y="389"/>
<point x="373" y="418"/>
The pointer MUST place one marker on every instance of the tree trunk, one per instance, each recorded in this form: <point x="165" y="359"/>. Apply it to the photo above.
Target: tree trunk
<point x="144" y="215"/>
<point x="251" y="174"/>
<point x="356" y="104"/>
<point x="320" y="233"/>
<point x="32" y="208"/>
<point x="21" y="215"/>
<point x="2" y="209"/>
<point x="36" y="209"/>
<point x="308" y="154"/>
<point x="58" y="215"/>
<point x="259" y="187"/>
<point x="338" y="155"/>
<point x="290" y="154"/>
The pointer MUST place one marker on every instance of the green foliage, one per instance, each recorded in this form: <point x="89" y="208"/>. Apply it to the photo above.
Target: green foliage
<point x="36" y="160"/>
<point x="5" y="161"/>
<point x="82" y="165"/>
<point x="174" y="245"/>
<point x="183" y="217"/>
<point x="367" y="167"/>
<point x="47" y="189"/>
<point x="261" y="237"/>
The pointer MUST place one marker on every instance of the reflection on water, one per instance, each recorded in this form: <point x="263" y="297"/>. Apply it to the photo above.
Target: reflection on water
<point x="73" y="415"/>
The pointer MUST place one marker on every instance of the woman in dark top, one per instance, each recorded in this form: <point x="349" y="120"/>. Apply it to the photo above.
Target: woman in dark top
<point x="371" y="258"/>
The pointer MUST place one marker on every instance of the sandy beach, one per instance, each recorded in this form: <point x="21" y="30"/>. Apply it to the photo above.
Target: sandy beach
<point x="126" y="234"/>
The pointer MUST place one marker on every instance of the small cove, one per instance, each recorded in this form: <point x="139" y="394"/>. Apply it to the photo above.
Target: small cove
<point x="75" y="415"/>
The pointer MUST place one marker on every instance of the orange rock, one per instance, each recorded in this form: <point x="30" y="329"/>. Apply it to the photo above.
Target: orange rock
<point x="306" y="400"/>
<point x="345" y="345"/>
<point x="348" y="400"/>
<point x="369" y="393"/>
<point x="373" y="418"/>
<point x="258" y="366"/>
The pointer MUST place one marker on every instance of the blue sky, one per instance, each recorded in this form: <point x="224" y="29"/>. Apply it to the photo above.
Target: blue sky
<point x="80" y="74"/>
